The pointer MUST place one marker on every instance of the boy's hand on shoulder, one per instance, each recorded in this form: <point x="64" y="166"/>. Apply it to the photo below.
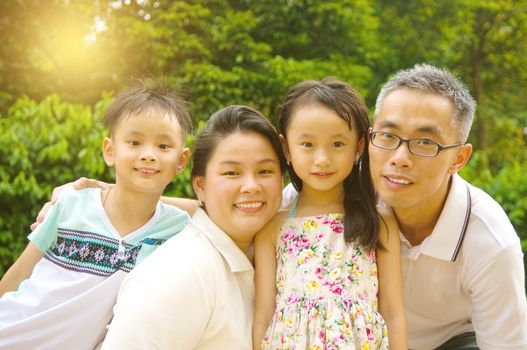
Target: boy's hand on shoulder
<point x="79" y="184"/>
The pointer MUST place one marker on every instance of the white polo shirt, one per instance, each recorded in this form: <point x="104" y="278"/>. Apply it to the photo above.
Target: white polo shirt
<point x="468" y="275"/>
<point x="195" y="292"/>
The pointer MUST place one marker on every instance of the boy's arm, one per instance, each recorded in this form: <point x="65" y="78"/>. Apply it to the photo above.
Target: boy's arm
<point x="391" y="304"/>
<point x="264" y="279"/>
<point x="21" y="269"/>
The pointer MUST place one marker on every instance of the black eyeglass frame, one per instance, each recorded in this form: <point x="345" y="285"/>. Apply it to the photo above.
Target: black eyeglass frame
<point x="440" y="147"/>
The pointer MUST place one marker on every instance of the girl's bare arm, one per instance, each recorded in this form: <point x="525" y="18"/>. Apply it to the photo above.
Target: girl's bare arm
<point x="391" y="304"/>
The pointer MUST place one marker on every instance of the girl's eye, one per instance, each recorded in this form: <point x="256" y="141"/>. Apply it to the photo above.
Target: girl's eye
<point x="133" y="143"/>
<point x="338" y="144"/>
<point x="306" y="144"/>
<point x="163" y="146"/>
<point x="267" y="172"/>
<point x="230" y="173"/>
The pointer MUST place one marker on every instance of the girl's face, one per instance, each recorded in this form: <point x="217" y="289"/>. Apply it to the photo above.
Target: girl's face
<point x="321" y="147"/>
<point x="242" y="185"/>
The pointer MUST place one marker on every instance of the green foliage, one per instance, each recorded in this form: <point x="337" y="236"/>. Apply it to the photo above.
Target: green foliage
<point x="43" y="145"/>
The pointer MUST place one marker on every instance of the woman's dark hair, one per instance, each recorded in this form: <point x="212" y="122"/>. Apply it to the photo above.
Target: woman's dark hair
<point x="227" y="121"/>
<point x="361" y="219"/>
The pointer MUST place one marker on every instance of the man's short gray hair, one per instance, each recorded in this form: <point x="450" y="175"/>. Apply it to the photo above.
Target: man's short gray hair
<point x="427" y="78"/>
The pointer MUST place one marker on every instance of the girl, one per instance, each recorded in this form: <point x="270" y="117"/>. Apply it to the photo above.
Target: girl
<point x="316" y="265"/>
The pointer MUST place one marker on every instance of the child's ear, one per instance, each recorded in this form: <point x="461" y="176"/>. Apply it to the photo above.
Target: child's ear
<point x="360" y="148"/>
<point x="183" y="159"/>
<point x="461" y="159"/>
<point x="198" y="183"/>
<point x="285" y="148"/>
<point x="107" y="151"/>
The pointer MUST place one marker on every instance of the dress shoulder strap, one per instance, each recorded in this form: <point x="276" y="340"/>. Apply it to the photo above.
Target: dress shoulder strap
<point x="292" y="212"/>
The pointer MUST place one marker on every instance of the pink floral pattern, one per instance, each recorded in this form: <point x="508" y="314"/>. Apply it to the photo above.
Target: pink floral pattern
<point x="327" y="290"/>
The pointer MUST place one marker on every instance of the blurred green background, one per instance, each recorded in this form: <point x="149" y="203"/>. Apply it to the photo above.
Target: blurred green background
<point x="62" y="61"/>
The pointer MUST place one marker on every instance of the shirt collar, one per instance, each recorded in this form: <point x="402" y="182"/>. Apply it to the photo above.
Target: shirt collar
<point x="445" y="241"/>
<point x="235" y="258"/>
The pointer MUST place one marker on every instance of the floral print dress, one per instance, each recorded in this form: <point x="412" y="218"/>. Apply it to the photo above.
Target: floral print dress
<point x="327" y="289"/>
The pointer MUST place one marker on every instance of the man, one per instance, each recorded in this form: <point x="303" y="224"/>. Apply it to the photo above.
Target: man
<point x="462" y="260"/>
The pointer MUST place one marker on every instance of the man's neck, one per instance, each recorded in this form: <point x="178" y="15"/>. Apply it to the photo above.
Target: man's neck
<point x="416" y="228"/>
<point x="417" y="223"/>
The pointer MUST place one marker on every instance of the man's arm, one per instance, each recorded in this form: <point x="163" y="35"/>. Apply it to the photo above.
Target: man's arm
<point x="497" y="291"/>
<point x="188" y="205"/>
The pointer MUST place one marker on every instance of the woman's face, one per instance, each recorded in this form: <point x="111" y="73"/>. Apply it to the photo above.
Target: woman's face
<point x="241" y="189"/>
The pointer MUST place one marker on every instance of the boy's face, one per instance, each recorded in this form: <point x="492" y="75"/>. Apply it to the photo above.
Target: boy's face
<point x="147" y="152"/>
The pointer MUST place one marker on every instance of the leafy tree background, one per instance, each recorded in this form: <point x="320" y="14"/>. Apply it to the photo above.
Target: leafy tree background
<point x="61" y="61"/>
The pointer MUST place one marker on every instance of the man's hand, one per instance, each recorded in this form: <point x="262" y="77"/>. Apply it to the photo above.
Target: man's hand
<point x="79" y="184"/>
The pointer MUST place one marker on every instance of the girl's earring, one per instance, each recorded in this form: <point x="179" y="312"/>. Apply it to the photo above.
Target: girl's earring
<point x="360" y="165"/>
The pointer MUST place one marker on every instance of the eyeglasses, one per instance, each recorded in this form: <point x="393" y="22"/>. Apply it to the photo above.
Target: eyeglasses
<point x="420" y="147"/>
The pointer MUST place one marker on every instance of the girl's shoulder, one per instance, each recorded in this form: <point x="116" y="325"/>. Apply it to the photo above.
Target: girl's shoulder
<point x="389" y="227"/>
<point x="270" y="231"/>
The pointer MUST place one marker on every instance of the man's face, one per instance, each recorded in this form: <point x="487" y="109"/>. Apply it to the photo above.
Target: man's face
<point x="407" y="182"/>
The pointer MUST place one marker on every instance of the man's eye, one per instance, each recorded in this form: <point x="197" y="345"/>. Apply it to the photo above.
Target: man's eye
<point x="386" y="136"/>
<point x="426" y="142"/>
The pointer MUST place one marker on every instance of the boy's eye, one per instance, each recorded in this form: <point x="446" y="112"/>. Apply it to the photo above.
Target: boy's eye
<point x="164" y="146"/>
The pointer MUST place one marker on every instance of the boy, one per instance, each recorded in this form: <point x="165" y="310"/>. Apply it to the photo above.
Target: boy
<point x="60" y="292"/>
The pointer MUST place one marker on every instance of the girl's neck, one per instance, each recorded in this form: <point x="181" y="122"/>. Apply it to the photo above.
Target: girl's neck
<point x="315" y="202"/>
<point x="128" y="211"/>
